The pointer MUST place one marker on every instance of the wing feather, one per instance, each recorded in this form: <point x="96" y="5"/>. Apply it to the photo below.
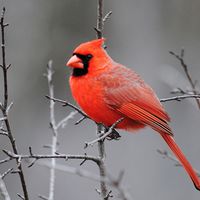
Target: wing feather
<point x="127" y="93"/>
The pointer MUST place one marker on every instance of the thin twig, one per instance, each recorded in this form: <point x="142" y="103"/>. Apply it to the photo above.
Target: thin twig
<point x="116" y="183"/>
<point x="185" y="67"/>
<point x="107" y="16"/>
<point x="178" y="98"/>
<point x="4" y="58"/>
<point x="6" y="173"/>
<point x="100" y="128"/>
<point x="54" y="130"/>
<point x="65" y="103"/>
<point x="5" y="160"/>
<point x="80" y="120"/>
<point x="99" y="19"/>
<point x="11" y="156"/>
<point x="42" y="197"/>
<point x="64" y="121"/>
<point x="20" y="196"/>
<point x="165" y="154"/>
<point x="4" y="133"/>
<point x="9" y="107"/>
<point x="5" y="108"/>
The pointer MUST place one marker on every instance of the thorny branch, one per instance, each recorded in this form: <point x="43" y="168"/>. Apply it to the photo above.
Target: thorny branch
<point x="54" y="128"/>
<point x="115" y="183"/>
<point x="66" y="157"/>
<point x="4" y="107"/>
<point x="189" y="77"/>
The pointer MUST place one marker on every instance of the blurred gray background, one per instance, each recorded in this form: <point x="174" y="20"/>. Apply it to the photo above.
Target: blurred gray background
<point x="139" y="35"/>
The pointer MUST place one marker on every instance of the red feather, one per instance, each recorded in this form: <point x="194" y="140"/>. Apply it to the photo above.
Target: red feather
<point x="108" y="91"/>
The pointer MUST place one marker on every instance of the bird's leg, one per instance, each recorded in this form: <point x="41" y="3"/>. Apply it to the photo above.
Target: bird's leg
<point x="114" y="135"/>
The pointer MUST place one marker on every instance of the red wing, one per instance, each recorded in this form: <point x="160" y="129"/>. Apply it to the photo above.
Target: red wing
<point x="128" y="94"/>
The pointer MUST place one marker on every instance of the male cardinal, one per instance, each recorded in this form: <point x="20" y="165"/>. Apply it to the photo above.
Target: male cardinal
<point x="108" y="91"/>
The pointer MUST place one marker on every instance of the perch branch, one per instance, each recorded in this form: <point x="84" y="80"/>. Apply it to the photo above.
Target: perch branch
<point x="4" y="107"/>
<point x="179" y="98"/>
<point x="185" y="67"/>
<point x="100" y="128"/>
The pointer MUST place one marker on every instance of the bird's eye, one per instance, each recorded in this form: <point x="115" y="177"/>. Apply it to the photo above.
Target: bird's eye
<point x="89" y="56"/>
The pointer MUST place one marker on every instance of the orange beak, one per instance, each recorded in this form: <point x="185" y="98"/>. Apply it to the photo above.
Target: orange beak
<point x="75" y="62"/>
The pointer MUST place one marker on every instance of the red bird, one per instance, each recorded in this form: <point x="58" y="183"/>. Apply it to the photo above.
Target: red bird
<point x="108" y="91"/>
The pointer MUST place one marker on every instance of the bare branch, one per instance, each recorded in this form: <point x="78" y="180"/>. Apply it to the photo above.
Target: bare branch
<point x="64" y="121"/>
<point x="2" y="119"/>
<point x="6" y="173"/>
<point x="181" y="91"/>
<point x="4" y="107"/>
<point x="80" y="120"/>
<point x="102" y="169"/>
<point x="54" y="128"/>
<point x="185" y="67"/>
<point x="1" y="107"/>
<point x="4" y="133"/>
<point x="20" y="196"/>
<point x="83" y="173"/>
<point x="99" y="27"/>
<point x="8" y="67"/>
<point x="5" y="160"/>
<point x="108" y="195"/>
<point x="107" y="16"/>
<point x="65" y="103"/>
<point x="179" y="98"/>
<point x="100" y="128"/>
<point x="9" y="107"/>
<point x="165" y="154"/>
<point x="59" y="156"/>
<point x="4" y="58"/>
<point x="42" y="197"/>
<point x="54" y="131"/>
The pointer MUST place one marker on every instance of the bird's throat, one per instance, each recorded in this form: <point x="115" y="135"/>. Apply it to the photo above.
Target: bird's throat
<point x="79" y="72"/>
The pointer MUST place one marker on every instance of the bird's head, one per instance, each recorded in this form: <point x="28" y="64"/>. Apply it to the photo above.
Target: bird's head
<point x="87" y="57"/>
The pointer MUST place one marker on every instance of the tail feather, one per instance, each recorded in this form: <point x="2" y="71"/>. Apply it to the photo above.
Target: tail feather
<point x="183" y="160"/>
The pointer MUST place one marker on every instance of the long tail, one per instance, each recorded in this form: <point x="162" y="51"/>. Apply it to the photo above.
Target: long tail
<point x="183" y="160"/>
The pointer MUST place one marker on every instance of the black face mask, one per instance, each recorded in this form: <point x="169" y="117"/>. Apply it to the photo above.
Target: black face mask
<point x="85" y="59"/>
